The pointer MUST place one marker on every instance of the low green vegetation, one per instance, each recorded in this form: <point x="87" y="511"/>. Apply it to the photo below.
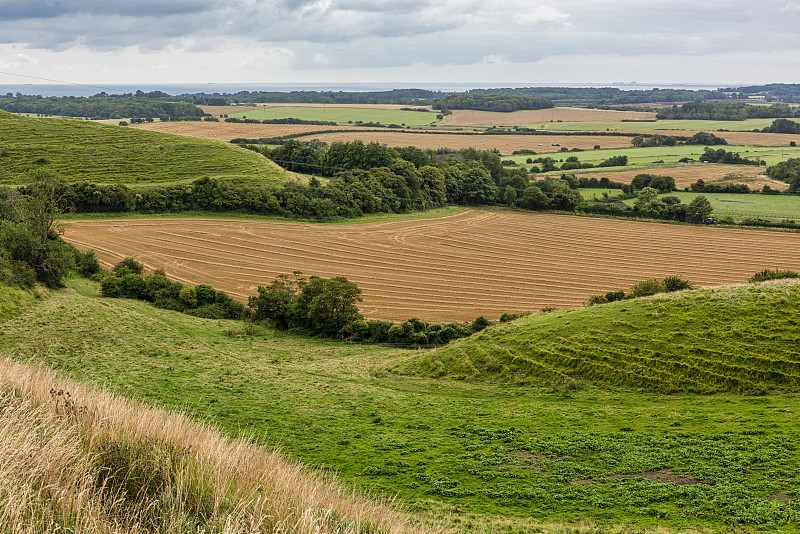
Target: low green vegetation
<point x="743" y="205"/>
<point x="88" y="151"/>
<point x="341" y="115"/>
<point x="715" y="111"/>
<point x="101" y="107"/>
<point x="491" y="102"/>
<point x="483" y="455"/>
<point x="727" y="339"/>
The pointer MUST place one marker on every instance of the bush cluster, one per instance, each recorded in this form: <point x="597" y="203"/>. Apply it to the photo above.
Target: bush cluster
<point x="126" y="281"/>
<point x="412" y="332"/>
<point x="770" y="274"/>
<point x="643" y="288"/>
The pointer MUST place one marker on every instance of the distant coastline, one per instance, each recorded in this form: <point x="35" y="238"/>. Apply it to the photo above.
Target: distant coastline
<point x="46" y="90"/>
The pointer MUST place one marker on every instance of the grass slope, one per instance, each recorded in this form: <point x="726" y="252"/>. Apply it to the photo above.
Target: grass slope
<point x="82" y="150"/>
<point x="724" y="339"/>
<point x="743" y="205"/>
<point x="483" y="456"/>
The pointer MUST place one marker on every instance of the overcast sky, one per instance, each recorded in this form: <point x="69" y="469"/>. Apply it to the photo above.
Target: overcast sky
<point x="408" y="41"/>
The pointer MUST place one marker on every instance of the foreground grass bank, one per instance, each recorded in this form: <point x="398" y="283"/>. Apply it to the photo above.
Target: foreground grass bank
<point x="483" y="456"/>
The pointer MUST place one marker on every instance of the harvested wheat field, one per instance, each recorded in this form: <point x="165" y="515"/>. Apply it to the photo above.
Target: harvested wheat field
<point x="453" y="267"/>
<point x="733" y="138"/>
<point x="506" y="144"/>
<point x="466" y="117"/>
<point x="686" y="175"/>
<point x="225" y="131"/>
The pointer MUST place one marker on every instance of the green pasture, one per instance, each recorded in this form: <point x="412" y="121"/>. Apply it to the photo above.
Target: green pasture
<point x="341" y="115"/>
<point x="645" y="126"/>
<point x="667" y="154"/>
<point x="745" y="205"/>
<point x="78" y="150"/>
<point x="589" y="193"/>
<point x="483" y="455"/>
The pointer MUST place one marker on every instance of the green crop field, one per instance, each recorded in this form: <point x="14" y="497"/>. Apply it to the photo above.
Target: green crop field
<point x="666" y="154"/>
<point x="597" y="193"/>
<point x="644" y="126"/>
<point x="745" y="205"/>
<point x="342" y="115"/>
<point x="80" y="150"/>
<point x="510" y="452"/>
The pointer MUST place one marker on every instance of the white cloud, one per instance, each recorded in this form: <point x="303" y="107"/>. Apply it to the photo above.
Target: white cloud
<point x="541" y="15"/>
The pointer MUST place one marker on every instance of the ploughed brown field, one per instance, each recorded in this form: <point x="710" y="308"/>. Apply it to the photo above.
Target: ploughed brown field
<point x="452" y="267"/>
<point x="686" y="175"/>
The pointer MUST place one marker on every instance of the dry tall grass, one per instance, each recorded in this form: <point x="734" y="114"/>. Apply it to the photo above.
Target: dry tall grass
<point x="77" y="460"/>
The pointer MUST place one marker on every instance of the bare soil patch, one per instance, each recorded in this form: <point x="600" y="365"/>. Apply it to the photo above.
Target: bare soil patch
<point x="686" y="175"/>
<point x="453" y="267"/>
<point x="466" y="117"/>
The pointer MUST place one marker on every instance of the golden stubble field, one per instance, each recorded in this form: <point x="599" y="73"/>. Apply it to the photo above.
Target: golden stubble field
<point x="686" y="175"/>
<point x="453" y="267"/>
<point x="467" y="117"/>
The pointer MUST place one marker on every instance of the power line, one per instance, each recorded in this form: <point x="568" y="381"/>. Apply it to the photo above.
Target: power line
<point x="61" y="81"/>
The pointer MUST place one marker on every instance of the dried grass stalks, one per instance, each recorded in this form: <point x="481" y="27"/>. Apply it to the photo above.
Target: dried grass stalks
<point x="77" y="460"/>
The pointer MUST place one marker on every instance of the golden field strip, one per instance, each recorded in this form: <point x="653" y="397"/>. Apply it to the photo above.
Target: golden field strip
<point x="453" y="267"/>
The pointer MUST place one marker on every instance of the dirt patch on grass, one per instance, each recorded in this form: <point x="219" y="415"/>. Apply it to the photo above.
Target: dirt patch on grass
<point x="453" y="267"/>
<point x="464" y="117"/>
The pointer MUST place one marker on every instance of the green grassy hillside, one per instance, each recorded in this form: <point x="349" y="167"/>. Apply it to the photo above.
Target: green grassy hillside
<point x="483" y="456"/>
<point x="80" y="150"/>
<point x="742" y="339"/>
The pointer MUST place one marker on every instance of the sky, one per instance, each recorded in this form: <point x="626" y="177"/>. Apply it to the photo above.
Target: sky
<point x="400" y="41"/>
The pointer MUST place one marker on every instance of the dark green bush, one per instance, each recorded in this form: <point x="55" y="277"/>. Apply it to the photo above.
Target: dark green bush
<point x="128" y="265"/>
<point x="769" y="274"/>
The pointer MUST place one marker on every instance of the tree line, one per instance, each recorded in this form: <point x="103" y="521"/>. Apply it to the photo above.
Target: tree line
<point x="99" y="107"/>
<point x="724" y="111"/>
<point x="491" y="102"/>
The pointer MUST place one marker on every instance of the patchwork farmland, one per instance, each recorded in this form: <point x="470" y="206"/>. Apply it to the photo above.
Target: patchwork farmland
<point x="447" y="268"/>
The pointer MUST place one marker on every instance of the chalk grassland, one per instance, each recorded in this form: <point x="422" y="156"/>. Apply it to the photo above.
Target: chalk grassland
<point x="449" y="268"/>
<point x="341" y="114"/>
<point x="731" y="338"/>
<point x="83" y="150"/>
<point x="771" y="206"/>
<point x="686" y="175"/>
<point x="483" y="456"/>
<point x="465" y="117"/>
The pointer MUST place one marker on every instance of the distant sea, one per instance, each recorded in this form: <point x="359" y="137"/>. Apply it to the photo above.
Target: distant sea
<point x="179" y="89"/>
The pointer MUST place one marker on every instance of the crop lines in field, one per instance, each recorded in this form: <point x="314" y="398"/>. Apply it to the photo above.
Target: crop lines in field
<point x="449" y="268"/>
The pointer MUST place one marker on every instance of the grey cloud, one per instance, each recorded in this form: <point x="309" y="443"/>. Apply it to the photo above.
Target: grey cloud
<point x="383" y="33"/>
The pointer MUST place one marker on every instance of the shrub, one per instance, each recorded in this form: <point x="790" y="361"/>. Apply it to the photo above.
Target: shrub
<point x="594" y="300"/>
<point x="129" y="264"/>
<point x="675" y="283"/>
<point x="86" y="263"/>
<point x="480" y="323"/>
<point x="648" y="287"/>
<point x="613" y="296"/>
<point x="768" y="274"/>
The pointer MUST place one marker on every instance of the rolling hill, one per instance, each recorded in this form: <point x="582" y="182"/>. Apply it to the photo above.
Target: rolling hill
<point x="734" y="338"/>
<point x="79" y="150"/>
